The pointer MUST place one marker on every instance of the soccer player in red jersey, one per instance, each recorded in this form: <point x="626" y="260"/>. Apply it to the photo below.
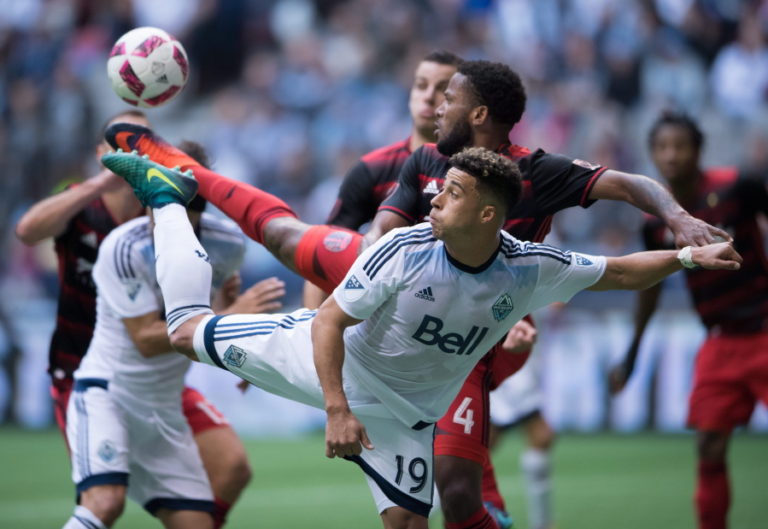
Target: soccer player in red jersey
<point x="731" y="370"/>
<point x="78" y="219"/>
<point x="483" y="102"/>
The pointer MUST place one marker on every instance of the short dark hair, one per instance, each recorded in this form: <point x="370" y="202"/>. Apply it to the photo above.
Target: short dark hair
<point x="196" y="151"/>
<point x="678" y="119"/>
<point x="496" y="173"/>
<point x="498" y="87"/>
<point x="443" y="57"/>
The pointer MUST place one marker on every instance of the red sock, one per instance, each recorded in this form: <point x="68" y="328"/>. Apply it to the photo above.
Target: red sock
<point x="480" y="520"/>
<point x="713" y="495"/>
<point x="249" y="206"/>
<point x="220" y="511"/>
<point x="490" y="487"/>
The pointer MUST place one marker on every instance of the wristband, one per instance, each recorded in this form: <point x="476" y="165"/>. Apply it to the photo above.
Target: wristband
<point x="685" y="257"/>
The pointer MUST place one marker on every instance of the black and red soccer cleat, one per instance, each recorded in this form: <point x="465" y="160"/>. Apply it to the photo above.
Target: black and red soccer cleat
<point x="130" y="137"/>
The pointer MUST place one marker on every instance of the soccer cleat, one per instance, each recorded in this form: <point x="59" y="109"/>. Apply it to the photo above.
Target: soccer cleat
<point x="503" y="520"/>
<point x="155" y="185"/>
<point x="130" y="137"/>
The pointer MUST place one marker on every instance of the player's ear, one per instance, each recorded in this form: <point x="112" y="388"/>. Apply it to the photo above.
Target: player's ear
<point x="478" y="115"/>
<point x="489" y="213"/>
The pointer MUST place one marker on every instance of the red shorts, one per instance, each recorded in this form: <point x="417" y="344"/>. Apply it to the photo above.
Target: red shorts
<point x="730" y="376"/>
<point x="200" y="413"/>
<point x="325" y="254"/>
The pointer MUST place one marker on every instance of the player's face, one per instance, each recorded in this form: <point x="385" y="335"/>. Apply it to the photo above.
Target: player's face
<point x="674" y="153"/>
<point x="429" y="83"/>
<point x="457" y="208"/>
<point x="452" y="127"/>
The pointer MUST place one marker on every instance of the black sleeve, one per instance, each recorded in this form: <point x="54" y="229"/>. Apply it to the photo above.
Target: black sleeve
<point x="559" y="182"/>
<point x="356" y="203"/>
<point x="754" y="191"/>
<point x="652" y="230"/>
<point x="405" y="199"/>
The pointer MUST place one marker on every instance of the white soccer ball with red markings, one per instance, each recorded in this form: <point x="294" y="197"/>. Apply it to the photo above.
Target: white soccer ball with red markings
<point x="147" y="67"/>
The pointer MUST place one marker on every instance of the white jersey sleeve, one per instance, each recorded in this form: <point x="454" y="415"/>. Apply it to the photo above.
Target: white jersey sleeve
<point x="563" y="274"/>
<point x="377" y="274"/>
<point x="121" y="273"/>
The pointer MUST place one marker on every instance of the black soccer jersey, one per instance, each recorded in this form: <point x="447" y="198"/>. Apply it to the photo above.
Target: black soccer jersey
<point x="727" y="301"/>
<point x="76" y="250"/>
<point x="368" y="184"/>
<point x="551" y="182"/>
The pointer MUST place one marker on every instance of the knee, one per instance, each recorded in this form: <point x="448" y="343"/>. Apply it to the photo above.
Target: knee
<point x="711" y="446"/>
<point x="459" y="500"/>
<point x="233" y="472"/>
<point x="105" y="502"/>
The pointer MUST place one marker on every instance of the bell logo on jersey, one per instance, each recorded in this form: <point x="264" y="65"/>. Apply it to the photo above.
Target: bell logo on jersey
<point x="234" y="356"/>
<point x="428" y="333"/>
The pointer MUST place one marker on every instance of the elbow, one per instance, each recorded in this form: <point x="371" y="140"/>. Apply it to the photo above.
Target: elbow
<point x="25" y="233"/>
<point x="182" y="341"/>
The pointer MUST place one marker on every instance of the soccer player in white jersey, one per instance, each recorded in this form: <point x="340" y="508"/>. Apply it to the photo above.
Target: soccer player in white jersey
<point x="387" y="353"/>
<point x="125" y="417"/>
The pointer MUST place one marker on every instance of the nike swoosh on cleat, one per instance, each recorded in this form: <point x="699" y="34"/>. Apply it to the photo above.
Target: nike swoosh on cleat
<point x="152" y="173"/>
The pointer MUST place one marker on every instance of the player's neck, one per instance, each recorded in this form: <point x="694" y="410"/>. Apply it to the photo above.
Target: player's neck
<point x="473" y="251"/>
<point x="490" y="140"/>
<point x="122" y="204"/>
<point x="686" y="189"/>
<point x="417" y="140"/>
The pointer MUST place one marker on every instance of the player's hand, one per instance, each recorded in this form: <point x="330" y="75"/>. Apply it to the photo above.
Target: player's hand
<point x="520" y="338"/>
<point x="690" y="231"/>
<point x="720" y="256"/>
<point x="108" y="181"/>
<point x="262" y="297"/>
<point x="345" y="435"/>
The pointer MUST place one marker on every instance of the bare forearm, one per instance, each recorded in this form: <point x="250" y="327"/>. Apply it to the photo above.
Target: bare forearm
<point x="152" y="340"/>
<point x="640" y="191"/>
<point x="328" y="353"/>
<point x="49" y="217"/>
<point x="638" y="270"/>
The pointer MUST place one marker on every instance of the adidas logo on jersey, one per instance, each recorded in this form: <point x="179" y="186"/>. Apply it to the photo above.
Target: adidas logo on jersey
<point x="431" y="188"/>
<point x="426" y="294"/>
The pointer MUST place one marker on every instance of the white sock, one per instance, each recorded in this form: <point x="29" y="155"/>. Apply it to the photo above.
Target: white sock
<point x="82" y="518"/>
<point x="536" y="468"/>
<point x="182" y="266"/>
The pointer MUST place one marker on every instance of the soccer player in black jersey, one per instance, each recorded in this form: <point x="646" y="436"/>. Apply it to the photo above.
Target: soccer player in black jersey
<point x="731" y="372"/>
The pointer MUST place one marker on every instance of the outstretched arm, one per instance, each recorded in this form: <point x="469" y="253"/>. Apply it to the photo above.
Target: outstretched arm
<point x="648" y="195"/>
<point x="642" y="270"/>
<point x="344" y="433"/>
<point x="49" y="217"/>
<point x="647" y="300"/>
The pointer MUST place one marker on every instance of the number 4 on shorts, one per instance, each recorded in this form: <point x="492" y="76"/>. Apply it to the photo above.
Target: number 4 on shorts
<point x="463" y="415"/>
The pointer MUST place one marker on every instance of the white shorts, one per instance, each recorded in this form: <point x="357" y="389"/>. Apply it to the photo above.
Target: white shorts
<point x="116" y="439"/>
<point x="518" y="397"/>
<point x="274" y="352"/>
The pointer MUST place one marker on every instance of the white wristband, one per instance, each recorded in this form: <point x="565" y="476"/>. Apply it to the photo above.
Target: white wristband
<point x="685" y="257"/>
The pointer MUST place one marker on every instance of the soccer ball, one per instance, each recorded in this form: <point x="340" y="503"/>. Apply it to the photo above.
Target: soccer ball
<point x="147" y="67"/>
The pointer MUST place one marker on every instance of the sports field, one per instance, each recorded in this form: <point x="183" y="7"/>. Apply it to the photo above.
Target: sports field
<point x="601" y="481"/>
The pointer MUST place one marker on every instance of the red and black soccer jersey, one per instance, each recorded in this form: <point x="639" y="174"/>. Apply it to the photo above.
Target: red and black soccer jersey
<point x="551" y="182"/>
<point x="76" y="250"/>
<point x="727" y="302"/>
<point x="368" y="184"/>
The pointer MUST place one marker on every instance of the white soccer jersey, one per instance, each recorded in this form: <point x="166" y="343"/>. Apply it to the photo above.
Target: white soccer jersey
<point x="428" y="318"/>
<point x="124" y="274"/>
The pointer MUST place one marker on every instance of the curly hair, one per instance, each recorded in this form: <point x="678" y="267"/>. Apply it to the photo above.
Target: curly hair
<point x="495" y="173"/>
<point x="498" y="87"/>
<point x="678" y="119"/>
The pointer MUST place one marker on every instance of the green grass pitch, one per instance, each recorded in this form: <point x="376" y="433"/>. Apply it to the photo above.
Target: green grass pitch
<point x="601" y="481"/>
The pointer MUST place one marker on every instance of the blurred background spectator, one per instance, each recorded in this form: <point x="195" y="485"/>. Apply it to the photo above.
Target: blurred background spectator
<point x="285" y="94"/>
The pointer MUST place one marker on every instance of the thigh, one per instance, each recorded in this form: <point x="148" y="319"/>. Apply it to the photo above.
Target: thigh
<point x="463" y="430"/>
<point x="98" y="437"/>
<point x="400" y="468"/>
<point x="166" y="468"/>
<point x="271" y="351"/>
